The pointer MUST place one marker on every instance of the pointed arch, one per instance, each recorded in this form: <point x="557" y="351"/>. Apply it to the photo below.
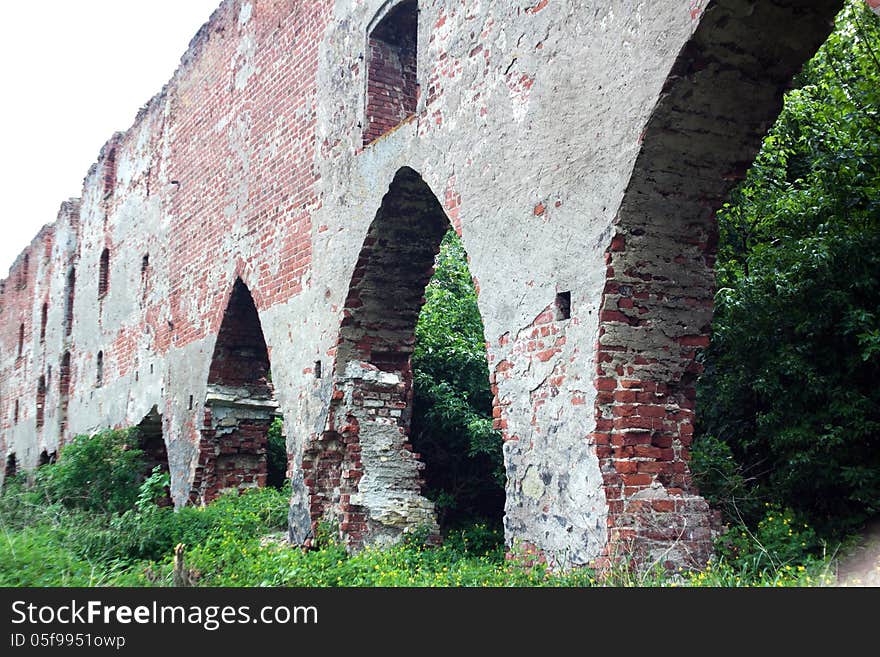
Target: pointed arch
<point x="151" y="440"/>
<point x="723" y="92"/>
<point x="395" y="264"/>
<point x="361" y="470"/>
<point x="240" y="404"/>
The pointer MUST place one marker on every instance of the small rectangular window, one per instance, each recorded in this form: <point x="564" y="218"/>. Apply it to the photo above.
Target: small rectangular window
<point x="563" y="306"/>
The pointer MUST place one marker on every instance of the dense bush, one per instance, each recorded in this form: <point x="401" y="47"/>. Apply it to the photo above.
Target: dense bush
<point x="96" y="473"/>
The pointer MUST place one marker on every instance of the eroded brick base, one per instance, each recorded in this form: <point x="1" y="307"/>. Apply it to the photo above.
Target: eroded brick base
<point x="362" y="472"/>
<point x="232" y="453"/>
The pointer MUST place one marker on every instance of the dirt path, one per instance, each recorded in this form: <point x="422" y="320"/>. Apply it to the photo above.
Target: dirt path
<point x="861" y="565"/>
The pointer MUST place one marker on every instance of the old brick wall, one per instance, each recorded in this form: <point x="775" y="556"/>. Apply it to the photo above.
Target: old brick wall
<point x="580" y="150"/>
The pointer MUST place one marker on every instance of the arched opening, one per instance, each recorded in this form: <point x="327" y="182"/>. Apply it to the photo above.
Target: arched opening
<point x="145" y="276"/>
<point x="240" y="406"/>
<point x="24" y="273"/>
<point x="392" y="84"/>
<point x="63" y="391"/>
<point x="110" y="173"/>
<point x="41" y="402"/>
<point x="11" y="466"/>
<point x="68" y="302"/>
<point x="151" y="441"/>
<point x="363" y="470"/>
<point x="452" y="412"/>
<point x="99" y="373"/>
<point x="44" y="316"/>
<point x="723" y="92"/>
<point x="104" y="274"/>
<point x="47" y="458"/>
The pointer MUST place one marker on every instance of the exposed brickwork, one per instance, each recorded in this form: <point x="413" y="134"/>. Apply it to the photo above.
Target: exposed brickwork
<point x="372" y="391"/>
<point x="392" y="84"/>
<point x="552" y="134"/>
<point x="656" y="307"/>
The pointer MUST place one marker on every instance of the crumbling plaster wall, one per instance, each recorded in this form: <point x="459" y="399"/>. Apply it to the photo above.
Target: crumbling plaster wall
<point x="250" y="163"/>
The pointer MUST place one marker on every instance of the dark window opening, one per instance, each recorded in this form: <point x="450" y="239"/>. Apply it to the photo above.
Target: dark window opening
<point x="21" y="340"/>
<point x="563" y="306"/>
<point x="318" y="367"/>
<point x="145" y="276"/>
<point x="47" y="458"/>
<point x="68" y="303"/>
<point x="110" y="173"/>
<point x="41" y="402"/>
<point x="104" y="274"/>
<point x="15" y="412"/>
<point x="99" y="381"/>
<point x="44" y="316"/>
<point x="63" y="390"/>
<point x="392" y="83"/>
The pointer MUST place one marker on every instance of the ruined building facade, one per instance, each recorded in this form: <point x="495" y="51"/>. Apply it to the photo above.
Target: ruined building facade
<point x="259" y="241"/>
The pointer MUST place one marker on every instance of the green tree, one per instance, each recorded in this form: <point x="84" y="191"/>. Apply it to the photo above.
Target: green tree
<point x="790" y="385"/>
<point x="452" y="407"/>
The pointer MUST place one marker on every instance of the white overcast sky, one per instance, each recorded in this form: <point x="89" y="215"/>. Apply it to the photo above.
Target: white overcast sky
<point x="73" y="73"/>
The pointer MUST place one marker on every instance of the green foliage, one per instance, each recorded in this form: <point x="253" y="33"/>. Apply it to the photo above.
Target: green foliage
<point x="153" y="489"/>
<point x="452" y="407"/>
<point x="96" y="473"/>
<point x="276" y="455"/>
<point x="239" y="541"/>
<point x="780" y="538"/>
<point x="720" y="480"/>
<point x="790" y="382"/>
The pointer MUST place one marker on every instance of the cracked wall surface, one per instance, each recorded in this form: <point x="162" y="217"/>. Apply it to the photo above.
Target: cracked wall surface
<point x="576" y="147"/>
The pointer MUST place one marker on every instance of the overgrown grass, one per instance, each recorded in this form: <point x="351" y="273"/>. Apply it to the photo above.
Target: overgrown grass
<point x="50" y="538"/>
